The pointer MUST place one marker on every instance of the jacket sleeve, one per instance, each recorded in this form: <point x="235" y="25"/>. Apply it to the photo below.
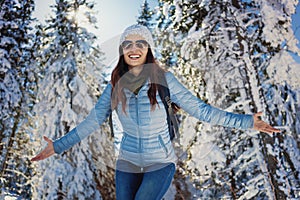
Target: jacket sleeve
<point x="202" y="111"/>
<point x="91" y="123"/>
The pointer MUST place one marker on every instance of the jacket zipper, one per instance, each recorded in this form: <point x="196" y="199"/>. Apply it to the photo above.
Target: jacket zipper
<point x="138" y="129"/>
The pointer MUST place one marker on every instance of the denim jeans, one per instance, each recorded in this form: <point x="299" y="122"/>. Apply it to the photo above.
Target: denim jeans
<point x="150" y="185"/>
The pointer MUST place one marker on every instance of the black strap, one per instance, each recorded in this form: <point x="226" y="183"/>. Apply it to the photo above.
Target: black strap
<point x="173" y="119"/>
<point x="164" y="94"/>
<point x="112" y="133"/>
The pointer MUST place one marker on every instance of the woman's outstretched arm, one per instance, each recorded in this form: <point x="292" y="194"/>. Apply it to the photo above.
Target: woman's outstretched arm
<point x="204" y="112"/>
<point x="91" y="123"/>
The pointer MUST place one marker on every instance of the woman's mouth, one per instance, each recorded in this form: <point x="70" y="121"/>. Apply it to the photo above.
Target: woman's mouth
<point x="134" y="56"/>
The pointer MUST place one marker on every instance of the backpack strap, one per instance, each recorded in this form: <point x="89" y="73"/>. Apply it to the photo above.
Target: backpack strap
<point x="173" y="119"/>
<point x="110" y="122"/>
<point x="164" y="94"/>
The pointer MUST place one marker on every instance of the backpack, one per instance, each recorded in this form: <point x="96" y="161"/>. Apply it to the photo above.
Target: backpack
<point x="171" y="109"/>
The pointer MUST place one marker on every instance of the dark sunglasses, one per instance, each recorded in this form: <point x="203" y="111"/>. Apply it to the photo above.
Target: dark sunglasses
<point x="140" y="44"/>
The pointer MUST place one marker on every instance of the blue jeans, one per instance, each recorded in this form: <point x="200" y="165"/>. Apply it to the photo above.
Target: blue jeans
<point x="150" y="185"/>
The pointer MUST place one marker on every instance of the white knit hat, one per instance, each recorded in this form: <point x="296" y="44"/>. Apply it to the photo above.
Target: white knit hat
<point x="138" y="29"/>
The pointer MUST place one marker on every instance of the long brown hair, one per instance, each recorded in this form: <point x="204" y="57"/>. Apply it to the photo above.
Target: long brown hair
<point x="156" y="72"/>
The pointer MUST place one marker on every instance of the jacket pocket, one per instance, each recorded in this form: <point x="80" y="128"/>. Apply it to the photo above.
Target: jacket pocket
<point x="122" y="144"/>
<point x="161" y="141"/>
<point x="123" y="138"/>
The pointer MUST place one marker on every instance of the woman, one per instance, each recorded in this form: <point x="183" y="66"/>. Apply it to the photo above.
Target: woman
<point x="146" y="162"/>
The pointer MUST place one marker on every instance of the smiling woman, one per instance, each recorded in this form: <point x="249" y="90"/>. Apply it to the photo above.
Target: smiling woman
<point x="146" y="161"/>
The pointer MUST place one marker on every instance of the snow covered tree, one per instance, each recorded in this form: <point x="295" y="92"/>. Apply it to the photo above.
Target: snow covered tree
<point x="226" y="56"/>
<point x="17" y="85"/>
<point x="145" y="17"/>
<point x="68" y="89"/>
<point x="280" y="93"/>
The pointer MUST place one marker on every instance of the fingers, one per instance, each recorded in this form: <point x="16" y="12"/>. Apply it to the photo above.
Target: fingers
<point x="263" y="126"/>
<point x="47" y="139"/>
<point x="36" y="158"/>
<point x="269" y="129"/>
<point x="40" y="156"/>
<point x="45" y="153"/>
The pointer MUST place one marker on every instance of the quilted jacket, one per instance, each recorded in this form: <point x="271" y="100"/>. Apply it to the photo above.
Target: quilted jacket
<point x="145" y="140"/>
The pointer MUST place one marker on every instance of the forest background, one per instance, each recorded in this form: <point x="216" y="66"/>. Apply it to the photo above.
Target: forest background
<point x="241" y="56"/>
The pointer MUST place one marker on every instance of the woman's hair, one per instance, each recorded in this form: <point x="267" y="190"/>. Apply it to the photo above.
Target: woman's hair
<point x="156" y="72"/>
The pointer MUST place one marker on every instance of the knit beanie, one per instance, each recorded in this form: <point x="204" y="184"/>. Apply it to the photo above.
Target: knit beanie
<point x="138" y="29"/>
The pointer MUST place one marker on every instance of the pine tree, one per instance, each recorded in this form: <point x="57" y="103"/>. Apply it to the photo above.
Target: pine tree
<point x="17" y="87"/>
<point x="70" y="82"/>
<point x="225" y="58"/>
<point x="145" y="17"/>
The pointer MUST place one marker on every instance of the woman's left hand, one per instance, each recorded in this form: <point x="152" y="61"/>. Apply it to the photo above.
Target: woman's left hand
<point x="262" y="126"/>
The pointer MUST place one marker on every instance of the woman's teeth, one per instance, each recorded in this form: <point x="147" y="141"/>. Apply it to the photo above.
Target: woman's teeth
<point x="134" y="56"/>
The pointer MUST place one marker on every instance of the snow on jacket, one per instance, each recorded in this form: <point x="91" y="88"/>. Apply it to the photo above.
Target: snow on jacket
<point x="145" y="140"/>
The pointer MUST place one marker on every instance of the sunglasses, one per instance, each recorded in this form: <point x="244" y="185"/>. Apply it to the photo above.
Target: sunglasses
<point x="140" y="44"/>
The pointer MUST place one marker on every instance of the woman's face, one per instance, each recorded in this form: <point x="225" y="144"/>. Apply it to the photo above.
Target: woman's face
<point x="135" y="50"/>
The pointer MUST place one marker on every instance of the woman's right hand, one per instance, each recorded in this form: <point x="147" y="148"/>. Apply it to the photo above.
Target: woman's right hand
<point x="47" y="152"/>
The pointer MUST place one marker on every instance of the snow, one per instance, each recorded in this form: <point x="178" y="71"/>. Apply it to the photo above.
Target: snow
<point x="221" y="70"/>
<point x="230" y="69"/>
<point x="284" y="69"/>
<point x="271" y="13"/>
<point x="7" y="196"/>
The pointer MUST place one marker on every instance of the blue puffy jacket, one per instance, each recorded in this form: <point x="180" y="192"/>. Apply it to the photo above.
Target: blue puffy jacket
<point x="145" y="140"/>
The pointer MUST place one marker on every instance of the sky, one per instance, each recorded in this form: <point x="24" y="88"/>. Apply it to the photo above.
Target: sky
<point x="114" y="16"/>
<point x="296" y="23"/>
<point x="296" y="28"/>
